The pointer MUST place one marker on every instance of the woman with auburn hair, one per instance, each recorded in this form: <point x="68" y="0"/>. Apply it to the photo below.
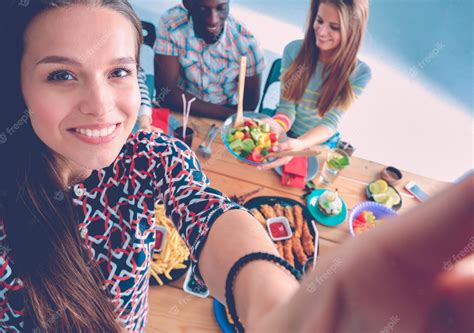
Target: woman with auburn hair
<point x="321" y="75"/>
<point x="78" y="191"/>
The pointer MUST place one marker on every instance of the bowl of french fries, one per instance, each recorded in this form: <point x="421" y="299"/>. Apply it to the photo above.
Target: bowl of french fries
<point x="173" y="260"/>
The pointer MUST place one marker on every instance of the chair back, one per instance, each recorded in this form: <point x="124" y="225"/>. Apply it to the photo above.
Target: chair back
<point x="273" y="76"/>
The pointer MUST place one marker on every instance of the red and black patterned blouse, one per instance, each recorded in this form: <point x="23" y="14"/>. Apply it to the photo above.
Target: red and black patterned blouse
<point x="115" y="206"/>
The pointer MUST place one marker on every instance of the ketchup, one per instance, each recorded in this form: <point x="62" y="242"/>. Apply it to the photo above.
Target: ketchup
<point x="159" y="240"/>
<point x="278" y="230"/>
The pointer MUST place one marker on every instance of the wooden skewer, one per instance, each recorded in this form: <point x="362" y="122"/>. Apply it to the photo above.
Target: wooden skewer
<point x="239" y="117"/>
<point x="294" y="153"/>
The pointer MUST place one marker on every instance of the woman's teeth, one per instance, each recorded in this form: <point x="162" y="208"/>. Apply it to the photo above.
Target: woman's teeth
<point x="96" y="133"/>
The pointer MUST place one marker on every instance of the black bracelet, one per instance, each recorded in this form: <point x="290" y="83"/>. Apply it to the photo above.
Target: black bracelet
<point x="229" y="284"/>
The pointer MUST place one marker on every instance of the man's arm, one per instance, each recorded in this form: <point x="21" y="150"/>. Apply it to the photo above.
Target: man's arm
<point x="252" y="92"/>
<point x="167" y="71"/>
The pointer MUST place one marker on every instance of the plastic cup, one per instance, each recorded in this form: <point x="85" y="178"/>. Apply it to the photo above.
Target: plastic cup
<point x="188" y="137"/>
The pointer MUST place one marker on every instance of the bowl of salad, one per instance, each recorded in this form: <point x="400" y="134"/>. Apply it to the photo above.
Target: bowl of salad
<point x="367" y="215"/>
<point x="253" y="141"/>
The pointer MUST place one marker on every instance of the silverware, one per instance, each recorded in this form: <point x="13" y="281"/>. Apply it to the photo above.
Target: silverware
<point x="205" y="147"/>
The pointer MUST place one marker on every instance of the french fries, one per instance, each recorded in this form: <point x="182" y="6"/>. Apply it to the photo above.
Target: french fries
<point x="174" y="253"/>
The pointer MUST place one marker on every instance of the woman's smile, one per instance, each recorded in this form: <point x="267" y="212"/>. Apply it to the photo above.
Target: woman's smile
<point x="96" y="134"/>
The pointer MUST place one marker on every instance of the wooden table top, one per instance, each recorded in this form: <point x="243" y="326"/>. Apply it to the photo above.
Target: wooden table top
<point x="173" y="310"/>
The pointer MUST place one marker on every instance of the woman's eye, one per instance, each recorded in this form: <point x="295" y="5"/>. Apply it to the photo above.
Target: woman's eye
<point x="120" y="72"/>
<point x="60" y="76"/>
<point x="335" y="28"/>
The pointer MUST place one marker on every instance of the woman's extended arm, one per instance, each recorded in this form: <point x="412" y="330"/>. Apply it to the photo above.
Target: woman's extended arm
<point x="394" y="276"/>
<point x="260" y="285"/>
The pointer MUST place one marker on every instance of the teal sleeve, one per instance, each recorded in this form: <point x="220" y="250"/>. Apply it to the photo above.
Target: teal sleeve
<point x="285" y="107"/>
<point x="359" y="80"/>
<point x="331" y="119"/>
<point x="361" y="77"/>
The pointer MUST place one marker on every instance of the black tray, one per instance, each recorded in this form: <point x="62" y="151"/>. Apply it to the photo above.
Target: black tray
<point x="266" y="200"/>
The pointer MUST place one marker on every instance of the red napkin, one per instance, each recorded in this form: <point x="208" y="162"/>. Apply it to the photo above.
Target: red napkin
<point x="160" y="119"/>
<point x="294" y="173"/>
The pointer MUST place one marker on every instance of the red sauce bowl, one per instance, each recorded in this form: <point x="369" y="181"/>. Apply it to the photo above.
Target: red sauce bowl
<point x="279" y="228"/>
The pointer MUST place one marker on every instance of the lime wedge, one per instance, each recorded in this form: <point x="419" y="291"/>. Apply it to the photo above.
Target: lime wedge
<point x="379" y="186"/>
<point x="381" y="198"/>
<point x="394" y="195"/>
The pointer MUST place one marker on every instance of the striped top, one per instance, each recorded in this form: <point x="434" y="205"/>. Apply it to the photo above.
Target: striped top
<point x="208" y="71"/>
<point x="145" y="100"/>
<point x="302" y="116"/>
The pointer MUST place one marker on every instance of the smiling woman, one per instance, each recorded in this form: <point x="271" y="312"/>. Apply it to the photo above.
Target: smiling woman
<point x="79" y="190"/>
<point x="82" y="103"/>
<point x="82" y="91"/>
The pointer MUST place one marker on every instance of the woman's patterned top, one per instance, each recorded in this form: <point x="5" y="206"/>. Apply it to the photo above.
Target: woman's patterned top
<point x="115" y="206"/>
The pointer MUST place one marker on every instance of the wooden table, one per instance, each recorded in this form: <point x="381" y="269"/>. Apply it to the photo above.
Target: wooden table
<point x="173" y="310"/>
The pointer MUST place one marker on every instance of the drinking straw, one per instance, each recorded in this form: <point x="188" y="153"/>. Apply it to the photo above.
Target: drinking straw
<point x="186" y="111"/>
<point x="183" y="97"/>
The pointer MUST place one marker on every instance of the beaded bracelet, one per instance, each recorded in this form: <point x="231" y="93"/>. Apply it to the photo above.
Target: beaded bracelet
<point x="237" y="266"/>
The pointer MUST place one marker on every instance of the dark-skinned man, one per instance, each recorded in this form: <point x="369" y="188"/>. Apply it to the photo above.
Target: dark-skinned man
<point x="197" y="52"/>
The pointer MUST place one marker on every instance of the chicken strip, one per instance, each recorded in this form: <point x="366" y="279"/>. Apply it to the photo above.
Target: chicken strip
<point x="307" y="240"/>
<point x="287" y="253"/>
<point x="259" y="217"/>
<point x="289" y="216"/>
<point x="278" y="210"/>
<point x="267" y="211"/>
<point x="298" y="249"/>
<point x="279" y="247"/>
<point x="298" y="212"/>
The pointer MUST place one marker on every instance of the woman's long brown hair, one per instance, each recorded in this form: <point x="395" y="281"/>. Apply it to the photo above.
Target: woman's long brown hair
<point x="336" y="90"/>
<point x="63" y="286"/>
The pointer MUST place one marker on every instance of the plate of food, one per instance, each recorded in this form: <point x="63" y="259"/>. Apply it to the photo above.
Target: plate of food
<point x="298" y="249"/>
<point x="253" y="141"/>
<point x="367" y="215"/>
<point x="327" y="207"/>
<point x="381" y="192"/>
<point x="171" y="257"/>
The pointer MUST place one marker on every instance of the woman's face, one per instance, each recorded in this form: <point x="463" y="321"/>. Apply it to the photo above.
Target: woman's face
<point x="79" y="81"/>
<point x="327" y="28"/>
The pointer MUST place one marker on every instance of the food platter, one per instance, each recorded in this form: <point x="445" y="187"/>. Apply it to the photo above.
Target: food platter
<point x="299" y="212"/>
